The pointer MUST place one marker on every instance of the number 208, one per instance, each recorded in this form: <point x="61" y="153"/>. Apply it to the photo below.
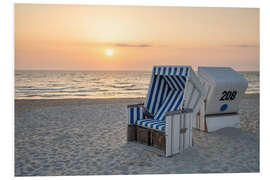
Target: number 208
<point x="228" y="95"/>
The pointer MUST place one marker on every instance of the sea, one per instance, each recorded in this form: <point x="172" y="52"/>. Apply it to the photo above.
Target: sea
<point x="33" y="84"/>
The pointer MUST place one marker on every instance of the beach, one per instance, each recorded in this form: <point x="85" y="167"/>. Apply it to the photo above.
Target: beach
<point x="88" y="137"/>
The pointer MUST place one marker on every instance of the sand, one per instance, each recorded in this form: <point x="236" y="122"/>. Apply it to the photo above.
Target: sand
<point x="88" y="137"/>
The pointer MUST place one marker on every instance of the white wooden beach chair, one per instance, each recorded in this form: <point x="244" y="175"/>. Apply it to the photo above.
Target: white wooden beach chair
<point x="224" y="88"/>
<point x="164" y="121"/>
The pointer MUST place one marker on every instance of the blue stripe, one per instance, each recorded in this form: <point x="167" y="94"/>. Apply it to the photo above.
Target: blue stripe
<point x="164" y="70"/>
<point x="179" y="79"/>
<point x="179" y="102"/>
<point x="150" y="123"/>
<point x="175" y="70"/>
<point x="170" y="105"/>
<point x="138" y="112"/>
<point x="170" y="70"/>
<point x="181" y="71"/>
<point x="176" y="82"/>
<point x="131" y="115"/>
<point x="151" y="92"/>
<point x="184" y="78"/>
<point x="164" y="106"/>
<point x="154" y="70"/>
<point x="187" y="72"/>
<point x="163" y="128"/>
<point x="173" y="101"/>
<point x="162" y="94"/>
<point x="159" y="69"/>
<point x="169" y="82"/>
<point x="156" y="95"/>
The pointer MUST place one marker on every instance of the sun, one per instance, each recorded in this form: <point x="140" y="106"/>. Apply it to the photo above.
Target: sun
<point x="109" y="52"/>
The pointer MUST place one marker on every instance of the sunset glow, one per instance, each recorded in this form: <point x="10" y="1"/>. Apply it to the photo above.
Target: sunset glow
<point x="77" y="37"/>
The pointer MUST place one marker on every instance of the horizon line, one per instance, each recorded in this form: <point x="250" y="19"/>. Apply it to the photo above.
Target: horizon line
<point x="106" y="70"/>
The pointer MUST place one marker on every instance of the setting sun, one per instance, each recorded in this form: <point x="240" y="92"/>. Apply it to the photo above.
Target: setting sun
<point x="109" y="52"/>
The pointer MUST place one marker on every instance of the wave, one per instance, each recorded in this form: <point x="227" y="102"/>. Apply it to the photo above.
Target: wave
<point x="29" y="84"/>
<point x="119" y="86"/>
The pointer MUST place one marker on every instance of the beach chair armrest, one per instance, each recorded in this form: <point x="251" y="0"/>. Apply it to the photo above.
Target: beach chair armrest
<point x="181" y="111"/>
<point x="135" y="105"/>
<point x="135" y="112"/>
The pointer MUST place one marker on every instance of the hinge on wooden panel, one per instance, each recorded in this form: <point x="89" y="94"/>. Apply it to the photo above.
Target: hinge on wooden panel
<point x="183" y="130"/>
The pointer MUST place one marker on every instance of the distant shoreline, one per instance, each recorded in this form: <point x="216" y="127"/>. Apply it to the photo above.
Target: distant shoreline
<point x="26" y="105"/>
<point x="111" y="99"/>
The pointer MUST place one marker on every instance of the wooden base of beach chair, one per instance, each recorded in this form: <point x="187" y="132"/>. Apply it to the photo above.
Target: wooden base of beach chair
<point x="146" y="136"/>
<point x="143" y="135"/>
<point x="132" y="133"/>
<point x="158" y="140"/>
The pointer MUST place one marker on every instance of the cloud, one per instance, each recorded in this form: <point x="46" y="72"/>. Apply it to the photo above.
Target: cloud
<point x="244" y="46"/>
<point x="133" y="45"/>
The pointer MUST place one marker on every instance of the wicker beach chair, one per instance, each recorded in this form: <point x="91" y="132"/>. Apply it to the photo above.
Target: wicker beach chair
<point x="164" y="121"/>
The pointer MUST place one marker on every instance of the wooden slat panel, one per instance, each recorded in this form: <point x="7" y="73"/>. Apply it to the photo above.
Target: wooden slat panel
<point x="189" y="92"/>
<point x="202" y="117"/>
<point x="190" y="128"/>
<point x="186" y="125"/>
<point x="168" y="133"/>
<point x="181" y="134"/>
<point x="175" y="134"/>
<point x="194" y="99"/>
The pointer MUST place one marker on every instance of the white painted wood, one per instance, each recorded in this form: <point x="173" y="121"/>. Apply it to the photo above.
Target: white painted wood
<point x="181" y="134"/>
<point x="196" y="120"/>
<point x="189" y="94"/>
<point x="190" y="128"/>
<point x="198" y="104"/>
<point x="216" y="80"/>
<point x="201" y="117"/>
<point x="186" y="125"/>
<point x="220" y="121"/>
<point x="194" y="123"/>
<point x="168" y="136"/>
<point x="186" y="92"/>
<point x="129" y="116"/>
<point x="194" y="99"/>
<point x="222" y="79"/>
<point x="176" y="131"/>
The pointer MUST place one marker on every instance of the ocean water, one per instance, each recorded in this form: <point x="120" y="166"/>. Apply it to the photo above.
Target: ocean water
<point x="93" y="84"/>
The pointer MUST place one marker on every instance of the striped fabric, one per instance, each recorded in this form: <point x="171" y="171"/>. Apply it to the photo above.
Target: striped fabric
<point x="156" y="94"/>
<point x="166" y="91"/>
<point x="151" y="123"/>
<point x="176" y="82"/>
<point x="135" y="113"/>
<point x="171" y="70"/>
<point x="172" y="103"/>
<point x="164" y="79"/>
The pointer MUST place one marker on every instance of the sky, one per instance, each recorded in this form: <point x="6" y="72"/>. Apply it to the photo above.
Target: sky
<point x="84" y="37"/>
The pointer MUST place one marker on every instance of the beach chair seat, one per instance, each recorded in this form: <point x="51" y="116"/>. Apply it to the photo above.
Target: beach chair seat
<point x="171" y="103"/>
<point x="152" y="123"/>
<point x="165" y="119"/>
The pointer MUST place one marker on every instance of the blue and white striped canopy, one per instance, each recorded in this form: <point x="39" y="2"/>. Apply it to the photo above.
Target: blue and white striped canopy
<point x="166" y="89"/>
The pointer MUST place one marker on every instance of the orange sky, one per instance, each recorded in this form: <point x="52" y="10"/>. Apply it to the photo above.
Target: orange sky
<point x="76" y="37"/>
